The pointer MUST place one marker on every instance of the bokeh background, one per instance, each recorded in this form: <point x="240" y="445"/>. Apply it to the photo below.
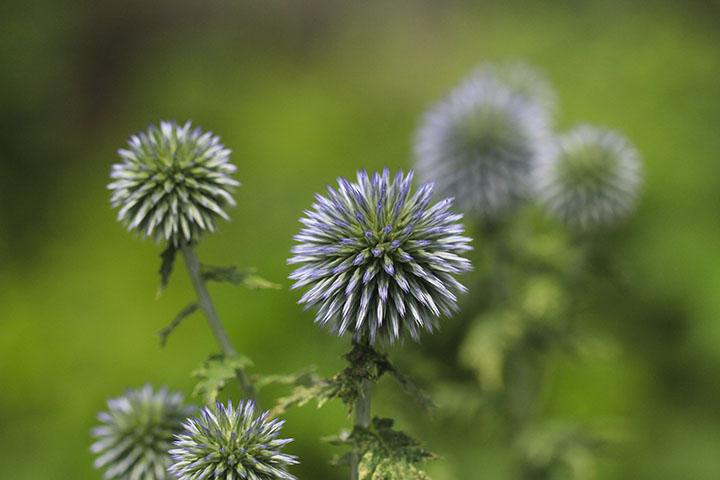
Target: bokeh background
<point x="303" y="92"/>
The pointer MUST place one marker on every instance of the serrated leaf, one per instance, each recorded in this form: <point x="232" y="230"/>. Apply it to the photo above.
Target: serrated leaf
<point x="184" y="313"/>
<point x="215" y="373"/>
<point x="365" y="364"/>
<point x="420" y="395"/>
<point x="319" y="389"/>
<point x="302" y="377"/>
<point x="232" y="274"/>
<point x="166" y="267"/>
<point x="384" y="453"/>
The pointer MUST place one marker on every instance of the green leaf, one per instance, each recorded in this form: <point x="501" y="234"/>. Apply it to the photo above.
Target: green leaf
<point x="385" y="454"/>
<point x="184" y="313"/>
<point x="421" y="396"/>
<point x="365" y="363"/>
<point x="319" y="389"/>
<point x="302" y="377"/>
<point x="215" y="373"/>
<point x="232" y="274"/>
<point x="166" y="267"/>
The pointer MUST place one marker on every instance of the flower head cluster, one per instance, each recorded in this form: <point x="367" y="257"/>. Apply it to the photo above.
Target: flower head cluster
<point x="379" y="260"/>
<point x="589" y="177"/>
<point x="231" y="444"/>
<point x="137" y="432"/>
<point x="172" y="183"/>
<point x="480" y="144"/>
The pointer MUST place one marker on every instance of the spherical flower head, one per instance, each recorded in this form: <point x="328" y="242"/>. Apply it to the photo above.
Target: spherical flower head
<point x="137" y="432"/>
<point x="172" y="183"/>
<point x="378" y="260"/>
<point x="589" y="178"/>
<point x="480" y="145"/>
<point x="231" y="444"/>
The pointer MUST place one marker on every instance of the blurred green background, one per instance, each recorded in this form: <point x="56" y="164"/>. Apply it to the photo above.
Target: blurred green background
<point x="303" y="92"/>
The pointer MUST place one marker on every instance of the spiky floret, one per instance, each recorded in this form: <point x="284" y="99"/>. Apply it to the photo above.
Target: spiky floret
<point x="378" y="260"/>
<point x="172" y="183"/>
<point x="137" y="432"/>
<point x="589" y="178"/>
<point x="231" y="444"/>
<point x="480" y="144"/>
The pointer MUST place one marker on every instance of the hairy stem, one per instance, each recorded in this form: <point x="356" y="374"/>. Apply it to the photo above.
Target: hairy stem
<point x="362" y="419"/>
<point x="208" y="308"/>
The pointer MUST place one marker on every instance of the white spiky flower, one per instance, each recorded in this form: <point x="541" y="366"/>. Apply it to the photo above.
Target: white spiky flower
<point x="227" y="443"/>
<point x="378" y="260"/>
<point x="589" y="177"/>
<point x="480" y="144"/>
<point x="136" y="433"/>
<point x="172" y="183"/>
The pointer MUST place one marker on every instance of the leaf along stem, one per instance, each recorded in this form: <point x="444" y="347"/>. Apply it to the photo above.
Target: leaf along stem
<point x="208" y="308"/>
<point x="362" y="419"/>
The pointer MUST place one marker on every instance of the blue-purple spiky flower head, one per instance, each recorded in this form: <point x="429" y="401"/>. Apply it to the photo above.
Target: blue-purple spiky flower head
<point x="172" y="183"/>
<point x="379" y="260"/>
<point x="228" y="443"/>
<point x="589" y="177"/>
<point x="136" y="433"/>
<point x="480" y="144"/>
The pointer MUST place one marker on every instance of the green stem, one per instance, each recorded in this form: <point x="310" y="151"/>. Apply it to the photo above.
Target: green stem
<point x="362" y="419"/>
<point x="208" y="308"/>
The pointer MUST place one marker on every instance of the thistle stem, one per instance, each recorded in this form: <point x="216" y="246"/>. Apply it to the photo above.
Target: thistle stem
<point x="362" y="419"/>
<point x="208" y="308"/>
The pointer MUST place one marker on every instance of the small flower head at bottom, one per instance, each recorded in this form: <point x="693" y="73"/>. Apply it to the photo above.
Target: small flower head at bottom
<point x="136" y="433"/>
<point x="231" y="444"/>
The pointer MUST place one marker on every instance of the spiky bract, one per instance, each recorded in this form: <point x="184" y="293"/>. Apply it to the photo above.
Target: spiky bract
<point x="231" y="444"/>
<point x="480" y="144"/>
<point x="137" y="432"/>
<point x="378" y="260"/>
<point x="172" y="183"/>
<point x="589" y="177"/>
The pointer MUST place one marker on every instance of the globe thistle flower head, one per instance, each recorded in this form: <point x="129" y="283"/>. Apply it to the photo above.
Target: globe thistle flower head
<point x="480" y="144"/>
<point x="231" y="444"/>
<point x="172" y="183"/>
<point x="136" y="433"/>
<point x="589" y="178"/>
<point x="378" y="259"/>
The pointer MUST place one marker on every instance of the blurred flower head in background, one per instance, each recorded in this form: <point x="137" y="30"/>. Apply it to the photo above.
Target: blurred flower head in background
<point x="137" y="432"/>
<point x="378" y="260"/>
<point x="231" y="443"/>
<point x="589" y="177"/>
<point x="479" y="145"/>
<point x="172" y="183"/>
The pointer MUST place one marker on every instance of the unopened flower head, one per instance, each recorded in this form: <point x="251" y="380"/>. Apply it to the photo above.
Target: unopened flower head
<point x="136" y="433"/>
<point x="379" y="260"/>
<point x="172" y="183"/>
<point x="231" y="444"/>
<point x="480" y="144"/>
<point x="589" y="178"/>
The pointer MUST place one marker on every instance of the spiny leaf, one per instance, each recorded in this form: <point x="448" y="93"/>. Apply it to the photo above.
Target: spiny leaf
<point x="319" y="389"/>
<point x="215" y="373"/>
<point x="166" y="266"/>
<point x="365" y="363"/>
<point x="302" y="377"/>
<point x="385" y="454"/>
<point x="189" y="309"/>
<point x="421" y="396"/>
<point x="232" y="274"/>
